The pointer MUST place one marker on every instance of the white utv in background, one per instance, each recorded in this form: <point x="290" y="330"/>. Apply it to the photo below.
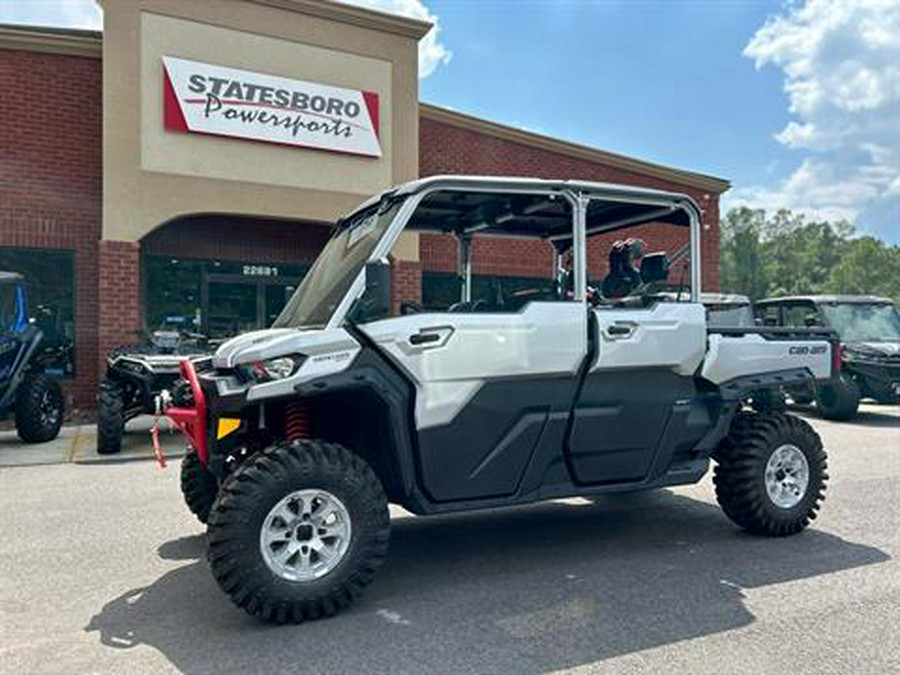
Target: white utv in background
<point x="302" y="434"/>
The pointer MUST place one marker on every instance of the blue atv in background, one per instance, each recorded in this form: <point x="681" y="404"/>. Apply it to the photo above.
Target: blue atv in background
<point x="26" y="391"/>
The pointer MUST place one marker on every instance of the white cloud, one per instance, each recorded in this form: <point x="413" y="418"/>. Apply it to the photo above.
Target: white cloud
<point x="59" y="13"/>
<point x="432" y="52"/>
<point x="841" y="65"/>
<point x="87" y="14"/>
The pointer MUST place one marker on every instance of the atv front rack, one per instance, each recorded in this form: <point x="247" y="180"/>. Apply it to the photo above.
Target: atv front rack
<point x="192" y="421"/>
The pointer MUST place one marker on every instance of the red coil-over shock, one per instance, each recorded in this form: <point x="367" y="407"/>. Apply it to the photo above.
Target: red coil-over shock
<point x="297" y="425"/>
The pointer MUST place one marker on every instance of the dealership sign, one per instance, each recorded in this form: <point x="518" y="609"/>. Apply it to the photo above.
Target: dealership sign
<point x="207" y="99"/>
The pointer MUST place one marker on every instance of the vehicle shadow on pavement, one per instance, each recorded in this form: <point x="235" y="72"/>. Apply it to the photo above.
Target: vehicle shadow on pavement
<point x="520" y="590"/>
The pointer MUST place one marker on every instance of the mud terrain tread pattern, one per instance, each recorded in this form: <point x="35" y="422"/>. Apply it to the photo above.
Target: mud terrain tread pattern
<point x="27" y="409"/>
<point x="301" y="464"/>
<point x="739" y="474"/>
<point x="198" y="486"/>
<point x="110" y="418"/>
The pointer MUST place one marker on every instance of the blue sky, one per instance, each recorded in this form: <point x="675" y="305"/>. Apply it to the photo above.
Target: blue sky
<point x="797" y="104"/>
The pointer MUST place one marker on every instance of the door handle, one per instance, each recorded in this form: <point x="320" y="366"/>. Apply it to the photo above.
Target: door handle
<point x="620" y="330"/>
<point x="423" y="338"/>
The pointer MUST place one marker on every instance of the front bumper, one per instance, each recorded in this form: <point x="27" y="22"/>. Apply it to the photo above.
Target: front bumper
<point x="878" y="380"/>
<point x="213" y="417"/>
<point x="192" y="421"/>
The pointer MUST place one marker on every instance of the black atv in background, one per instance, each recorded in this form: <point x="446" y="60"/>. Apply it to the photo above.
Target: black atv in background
<point x="26" y="390"/>
<point x="869" y="330"/>
<point x="135" y="374"/>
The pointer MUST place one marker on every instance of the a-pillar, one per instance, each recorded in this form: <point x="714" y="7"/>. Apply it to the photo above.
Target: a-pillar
<point x="119" y="295"/>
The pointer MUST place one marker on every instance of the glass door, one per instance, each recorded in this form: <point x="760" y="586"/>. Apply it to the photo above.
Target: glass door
<point x="232" y="306"/>
<point x="277" y="295"/>
<point x="237" y="304"/>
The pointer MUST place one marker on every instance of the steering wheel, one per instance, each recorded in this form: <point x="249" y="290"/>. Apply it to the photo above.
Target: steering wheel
<point x="410" y="307"/>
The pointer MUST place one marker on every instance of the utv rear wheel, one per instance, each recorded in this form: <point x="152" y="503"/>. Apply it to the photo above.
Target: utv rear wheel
<point x="298" y="531"/>
<point x="771" y="473"/>
<point x="839" y="400"/>
<point x="198" y="486"/>
<point x="39" y="409"/>
<point x="110" y="418"/>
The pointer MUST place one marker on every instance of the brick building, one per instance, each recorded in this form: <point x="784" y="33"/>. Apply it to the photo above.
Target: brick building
<point x="120" y="220"/>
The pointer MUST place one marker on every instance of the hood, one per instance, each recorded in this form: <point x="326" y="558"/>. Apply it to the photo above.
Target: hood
<point x="876" y="350"/>
<point x="261" y="345"/>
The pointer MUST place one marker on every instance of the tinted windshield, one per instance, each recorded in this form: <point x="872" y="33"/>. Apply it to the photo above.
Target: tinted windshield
<point x="860" y="322"/>
<point x="729" y="316"/>
<point x="336" y="268"/>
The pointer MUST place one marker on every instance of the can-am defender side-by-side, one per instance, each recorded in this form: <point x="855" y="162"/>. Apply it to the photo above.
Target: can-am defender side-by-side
<point x="869" y="331"/>
<point x="135" y="375"/>
<point x="26" y="391"/>
<point x="306" y="431"/>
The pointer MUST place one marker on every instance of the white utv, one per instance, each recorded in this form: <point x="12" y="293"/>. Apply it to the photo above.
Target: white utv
<point x="302" y="434"/>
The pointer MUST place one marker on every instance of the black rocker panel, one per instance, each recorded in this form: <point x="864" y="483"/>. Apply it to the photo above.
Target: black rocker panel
<point x="485" y="450"/>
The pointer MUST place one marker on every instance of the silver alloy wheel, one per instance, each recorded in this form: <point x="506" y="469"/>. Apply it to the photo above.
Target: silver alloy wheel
<point x="305" y="535"/>
<point x="787" y="476"/>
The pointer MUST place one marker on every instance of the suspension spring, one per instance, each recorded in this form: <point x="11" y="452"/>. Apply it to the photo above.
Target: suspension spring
<point x="297" y="424"/>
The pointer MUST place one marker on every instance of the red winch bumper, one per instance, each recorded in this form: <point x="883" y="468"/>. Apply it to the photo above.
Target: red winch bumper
<point x="192" y="421"/>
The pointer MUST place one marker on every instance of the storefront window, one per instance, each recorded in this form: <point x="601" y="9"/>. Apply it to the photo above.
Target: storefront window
<point x="50" y="284"/>
<point x="216" y="298"/>
<point x="173" y="288"/>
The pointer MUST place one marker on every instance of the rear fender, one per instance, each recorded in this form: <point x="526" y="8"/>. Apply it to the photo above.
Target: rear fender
<point x="733" y="358"/>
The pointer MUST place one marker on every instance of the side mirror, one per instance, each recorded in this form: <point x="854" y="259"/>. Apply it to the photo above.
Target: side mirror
<point x="377" y="297"/>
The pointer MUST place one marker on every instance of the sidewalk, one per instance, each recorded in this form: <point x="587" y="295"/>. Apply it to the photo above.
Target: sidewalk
<point x="78" y="444"/>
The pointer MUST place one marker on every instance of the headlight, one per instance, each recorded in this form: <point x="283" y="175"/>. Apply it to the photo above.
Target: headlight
<point x="272" y="369"/>
<point x="278" y="369"/>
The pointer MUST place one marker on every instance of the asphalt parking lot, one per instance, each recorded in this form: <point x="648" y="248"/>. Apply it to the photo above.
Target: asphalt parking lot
<point x="102" y="571"/>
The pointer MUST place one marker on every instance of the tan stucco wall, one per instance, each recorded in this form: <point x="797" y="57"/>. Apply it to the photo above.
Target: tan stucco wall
<point x="152" y="176"/>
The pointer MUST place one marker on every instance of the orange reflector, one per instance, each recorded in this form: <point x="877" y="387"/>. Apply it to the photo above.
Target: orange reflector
<point x="226" y="426"/>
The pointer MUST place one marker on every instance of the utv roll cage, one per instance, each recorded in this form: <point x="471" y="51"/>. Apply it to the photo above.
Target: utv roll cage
<point x="564" y="213"/>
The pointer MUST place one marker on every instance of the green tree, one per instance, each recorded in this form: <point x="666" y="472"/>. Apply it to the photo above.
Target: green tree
<point x="866" y="266"/>
<point x="740" y="252"/>
<point x="784" y="254"/>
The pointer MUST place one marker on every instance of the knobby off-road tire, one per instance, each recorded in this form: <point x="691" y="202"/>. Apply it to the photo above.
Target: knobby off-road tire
<point x="110" y="418"/>
<point x="198" y="486"/>
<point x="761" y="466"/>
<point x="254" y="505"/>
<point x="39" y="409"/>
<point x="838" y="401"/>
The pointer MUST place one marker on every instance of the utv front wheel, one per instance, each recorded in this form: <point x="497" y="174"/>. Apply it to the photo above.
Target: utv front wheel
<point x="110" y="418"/>
<point x="297" y="532"/>
<point x="770" y="474"/>
<point x="39" y="409"/>
<point x="198" y="486"/>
